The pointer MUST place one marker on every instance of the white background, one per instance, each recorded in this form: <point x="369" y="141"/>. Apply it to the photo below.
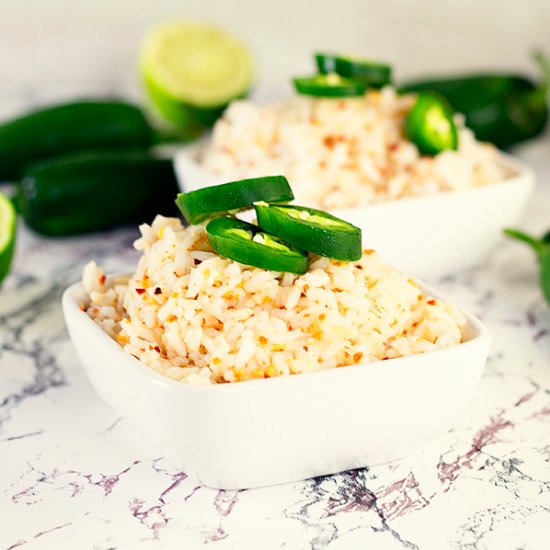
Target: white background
<point x="55" y="48"/>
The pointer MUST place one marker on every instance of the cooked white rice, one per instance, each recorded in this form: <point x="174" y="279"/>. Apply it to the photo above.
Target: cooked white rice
<point x="342" y="152"/>
<point x="196" y="317"/>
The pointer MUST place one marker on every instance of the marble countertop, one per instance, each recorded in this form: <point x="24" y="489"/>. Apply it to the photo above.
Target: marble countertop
<point x="72" y="471"/>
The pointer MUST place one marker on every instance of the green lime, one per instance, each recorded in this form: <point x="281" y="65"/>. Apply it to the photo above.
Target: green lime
<point x="7" y="235"/>
<point x="192" y="71"/>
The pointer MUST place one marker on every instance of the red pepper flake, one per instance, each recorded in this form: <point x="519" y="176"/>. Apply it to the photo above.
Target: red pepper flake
<point x="140" y="290"/>
<point x="157" y="349"/>
<point x="196" y="261"/>
<point x="331" y="141"/>
<point x="431" y="302"/>
<point x="393" y="147"/>
<point x="158" y="290"/>
<point x="102" y="280"/>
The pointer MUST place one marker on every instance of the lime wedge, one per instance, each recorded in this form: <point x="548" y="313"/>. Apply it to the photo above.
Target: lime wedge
<point x="192" y="71"/>
<point x="7" y="235"/>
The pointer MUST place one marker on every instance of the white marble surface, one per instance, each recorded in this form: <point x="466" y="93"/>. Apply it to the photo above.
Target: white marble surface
<point x="74" y="475"/>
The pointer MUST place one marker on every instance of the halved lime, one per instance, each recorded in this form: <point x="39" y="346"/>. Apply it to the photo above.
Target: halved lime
<point x="192" y="71"/>
<point x="7" y="235"/>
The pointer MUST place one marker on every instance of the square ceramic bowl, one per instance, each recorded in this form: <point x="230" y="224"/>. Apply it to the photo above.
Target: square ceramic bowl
<point x="426" y="236"/>
<point x="277" y="430"/>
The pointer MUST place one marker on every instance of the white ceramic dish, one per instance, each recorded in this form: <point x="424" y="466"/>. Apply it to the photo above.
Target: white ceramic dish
<point x="265" y="432"/>
<point x="426" y="236"/>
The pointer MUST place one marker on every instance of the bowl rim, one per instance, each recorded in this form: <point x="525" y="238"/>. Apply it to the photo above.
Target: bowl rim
<point x="521" y="174"/>
<point x="74" y="295"/>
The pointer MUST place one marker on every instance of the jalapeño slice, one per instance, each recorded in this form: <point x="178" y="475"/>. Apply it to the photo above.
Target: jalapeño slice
<point x="329" y="85"/>
<point x="373" y="73"/>
<point x="313" y="230"/>
<point x="430" y="125"/>
<point x="247" y="244"/>
<point x="197" y="206"/>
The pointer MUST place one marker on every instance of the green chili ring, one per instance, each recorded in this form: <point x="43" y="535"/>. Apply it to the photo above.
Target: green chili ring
<point x="329" y="85"/>
<point x="312" y="230"/>
<point x="372" y="73"/>
<point x="247" y="244"/>
<point x="197" y="206"/>
<point x="430" y="125"/>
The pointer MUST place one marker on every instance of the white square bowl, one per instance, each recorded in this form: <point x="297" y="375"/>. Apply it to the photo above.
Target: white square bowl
<point x="426" y="236"/>
<point x="271" y="431"/>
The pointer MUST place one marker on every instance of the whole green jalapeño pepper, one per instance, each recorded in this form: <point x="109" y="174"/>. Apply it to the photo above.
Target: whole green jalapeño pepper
<point x="541" y="247"/>
<point x="504" y="109"/>
<point x="95" y="191"/>
<point x="71" y="127"/>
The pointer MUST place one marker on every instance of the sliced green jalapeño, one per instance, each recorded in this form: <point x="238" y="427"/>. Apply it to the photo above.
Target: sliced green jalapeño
<point x="310" y="229"/>
<point x="430" y="125"/>
<point x="372" y="73"/>
<point x="329" y="85"/>
<point x="197" y="206"/>
<point x="247" y="244"/>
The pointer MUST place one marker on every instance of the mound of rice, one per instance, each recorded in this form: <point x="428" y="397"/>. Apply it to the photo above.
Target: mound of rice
<point x="196" y="317"/>
<point x="342" y="152"/>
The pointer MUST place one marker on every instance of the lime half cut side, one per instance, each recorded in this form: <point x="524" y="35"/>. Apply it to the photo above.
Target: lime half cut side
<point x="7" y="235"/>
<point x="192" y="71"/>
